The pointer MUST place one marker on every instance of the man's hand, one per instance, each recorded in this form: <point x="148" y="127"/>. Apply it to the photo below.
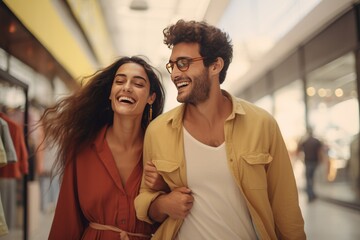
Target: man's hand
<point x="176" y="204"/>
<point x="153" y="179"/>
<point x="179" y="203"/>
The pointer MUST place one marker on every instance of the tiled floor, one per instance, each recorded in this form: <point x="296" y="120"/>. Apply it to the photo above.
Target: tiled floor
<point x="323" y="220"/>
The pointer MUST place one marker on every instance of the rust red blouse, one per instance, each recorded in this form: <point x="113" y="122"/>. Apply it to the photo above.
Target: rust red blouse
<point x="91" y="191"/>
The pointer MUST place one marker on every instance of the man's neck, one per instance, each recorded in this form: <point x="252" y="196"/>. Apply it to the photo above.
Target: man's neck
<point x="217" y="107"/>
<point x="205" y="121"/>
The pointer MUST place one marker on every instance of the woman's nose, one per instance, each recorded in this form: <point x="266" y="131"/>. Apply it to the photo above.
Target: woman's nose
<point x="127" y="87"/>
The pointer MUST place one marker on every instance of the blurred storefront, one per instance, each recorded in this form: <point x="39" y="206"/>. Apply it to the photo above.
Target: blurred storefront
<point x="317" y="86"/>
<point x="31" y="79"/>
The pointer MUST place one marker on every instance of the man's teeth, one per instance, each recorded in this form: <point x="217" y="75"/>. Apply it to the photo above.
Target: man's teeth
<point x="182" y="84"/>
<point x="126" y="99"/>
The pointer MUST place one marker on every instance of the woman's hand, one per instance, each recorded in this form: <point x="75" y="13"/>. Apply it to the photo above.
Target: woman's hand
<point x="153" y="179"/>
<point x="124" y="236"/>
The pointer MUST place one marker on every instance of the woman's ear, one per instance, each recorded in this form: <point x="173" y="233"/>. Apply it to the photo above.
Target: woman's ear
<point x="151" y="98"/>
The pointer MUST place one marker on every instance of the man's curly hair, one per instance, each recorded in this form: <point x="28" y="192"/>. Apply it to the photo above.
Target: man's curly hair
<point x="213" y="42"/>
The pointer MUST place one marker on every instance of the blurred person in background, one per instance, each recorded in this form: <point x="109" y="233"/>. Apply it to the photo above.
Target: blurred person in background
<point x="312" y="149"/>
<point x="231" y="176"/>
<point x="353" y="166"/>
<point x="98" y="132"/>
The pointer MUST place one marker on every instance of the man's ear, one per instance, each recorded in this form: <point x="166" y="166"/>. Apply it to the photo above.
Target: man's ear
<point x="217" y="66"/>
<point x="151" y="98"/>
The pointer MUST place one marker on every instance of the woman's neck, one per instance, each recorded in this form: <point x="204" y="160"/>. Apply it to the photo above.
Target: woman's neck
<point x="126" y="133"/>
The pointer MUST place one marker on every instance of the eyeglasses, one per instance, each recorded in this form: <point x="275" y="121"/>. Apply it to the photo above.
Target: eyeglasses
<point x="182" y="64"/>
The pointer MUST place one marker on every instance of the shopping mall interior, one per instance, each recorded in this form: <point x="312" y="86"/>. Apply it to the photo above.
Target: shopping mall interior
<point x="299" y="60"/>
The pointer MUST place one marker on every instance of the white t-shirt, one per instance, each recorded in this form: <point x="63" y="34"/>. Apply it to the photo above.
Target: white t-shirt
<point x="219" y="210"/>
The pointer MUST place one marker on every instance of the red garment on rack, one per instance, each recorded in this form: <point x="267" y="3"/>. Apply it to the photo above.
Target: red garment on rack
<point x="17" y="169"/>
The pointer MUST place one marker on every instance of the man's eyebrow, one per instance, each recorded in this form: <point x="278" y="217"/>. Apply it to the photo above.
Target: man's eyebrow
<point x="182" y="57"/>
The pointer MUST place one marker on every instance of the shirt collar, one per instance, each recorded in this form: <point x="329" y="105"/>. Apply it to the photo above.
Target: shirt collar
<point x="237" y="107"/>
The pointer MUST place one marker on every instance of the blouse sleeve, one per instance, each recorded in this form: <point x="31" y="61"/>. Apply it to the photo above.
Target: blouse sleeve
<point x="69" y="222"/>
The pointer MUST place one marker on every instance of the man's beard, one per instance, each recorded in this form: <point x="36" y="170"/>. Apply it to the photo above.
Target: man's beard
<point x="200" y="89"/>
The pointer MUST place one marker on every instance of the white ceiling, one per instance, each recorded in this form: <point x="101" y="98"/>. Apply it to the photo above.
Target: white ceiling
<point x="255" y="26"/>
<point x="140" y="32"/>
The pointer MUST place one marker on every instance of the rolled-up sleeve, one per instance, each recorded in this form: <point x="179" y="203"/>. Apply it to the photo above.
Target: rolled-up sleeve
<point x="146" y="195"/>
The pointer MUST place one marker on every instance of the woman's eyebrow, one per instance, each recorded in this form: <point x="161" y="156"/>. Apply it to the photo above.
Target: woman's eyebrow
<point x="140" y="77"/>
<point x="136" y="76"/>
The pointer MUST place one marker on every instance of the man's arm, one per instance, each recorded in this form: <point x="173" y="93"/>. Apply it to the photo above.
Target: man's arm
<point x="282" y="189"/>
<point x="153" y="179"/>
<point x="152" y="204"/>
<point x="176" y="205"/>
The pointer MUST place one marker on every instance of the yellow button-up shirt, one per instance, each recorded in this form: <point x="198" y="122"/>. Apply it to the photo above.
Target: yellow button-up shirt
<point x="257" y="157"/>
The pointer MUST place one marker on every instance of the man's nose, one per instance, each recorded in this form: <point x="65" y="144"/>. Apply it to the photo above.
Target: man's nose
<point x="176" y="73"/>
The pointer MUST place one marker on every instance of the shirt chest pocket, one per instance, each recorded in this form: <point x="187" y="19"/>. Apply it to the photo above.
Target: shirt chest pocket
<point x="254" y="170"/>
<point x="170" y="171"/>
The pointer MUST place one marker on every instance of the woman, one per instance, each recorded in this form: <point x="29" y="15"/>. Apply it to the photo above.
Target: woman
<point x="99" y="131"/>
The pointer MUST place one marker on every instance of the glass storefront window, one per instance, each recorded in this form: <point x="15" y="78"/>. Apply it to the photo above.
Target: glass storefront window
<point x="289" y="111"/>
<point x="334" y="116"/>
<point x="15" y="102"/>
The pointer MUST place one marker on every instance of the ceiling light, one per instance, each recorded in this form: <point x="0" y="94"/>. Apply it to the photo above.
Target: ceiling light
<point x="139" y="5"/>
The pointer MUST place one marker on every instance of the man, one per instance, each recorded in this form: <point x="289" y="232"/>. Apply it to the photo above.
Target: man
<point x="223" y="158"/>
<point x="313" y="152"/>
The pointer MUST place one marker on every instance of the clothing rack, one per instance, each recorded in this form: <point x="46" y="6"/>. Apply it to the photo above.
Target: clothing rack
<point x="5" y="76"/>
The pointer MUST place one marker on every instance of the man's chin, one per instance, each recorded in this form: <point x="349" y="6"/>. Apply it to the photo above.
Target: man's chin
<point x="180" y="99"/>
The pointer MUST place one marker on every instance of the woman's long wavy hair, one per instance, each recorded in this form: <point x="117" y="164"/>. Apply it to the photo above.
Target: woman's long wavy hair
<point x="74" y="122"/>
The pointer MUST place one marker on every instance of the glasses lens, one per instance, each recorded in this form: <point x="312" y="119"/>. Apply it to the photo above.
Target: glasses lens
<point x="169" y="67"/>
<point x="182" y="64"/>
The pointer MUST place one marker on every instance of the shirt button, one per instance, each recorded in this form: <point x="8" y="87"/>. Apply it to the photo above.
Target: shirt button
<point x="123" y="221"/>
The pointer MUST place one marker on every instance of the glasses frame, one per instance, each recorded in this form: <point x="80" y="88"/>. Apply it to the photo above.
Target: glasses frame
<point x="170" y="65"/>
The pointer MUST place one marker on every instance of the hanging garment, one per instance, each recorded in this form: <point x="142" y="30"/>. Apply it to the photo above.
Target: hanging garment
<point x="8" y="145"/>
<point x="3" y="227"/>
<point x="8" y="200"/>
<point x="10" y="173"/>
<point x="3" y="158"/>
<point x="17" y="169"/>
<point x="3" y="162"/>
